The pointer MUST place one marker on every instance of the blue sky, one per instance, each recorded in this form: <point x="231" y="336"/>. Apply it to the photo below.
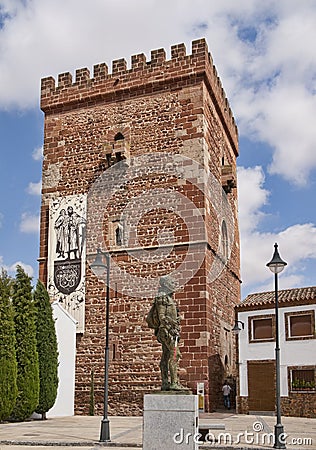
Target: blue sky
<point x="266" y="58"/>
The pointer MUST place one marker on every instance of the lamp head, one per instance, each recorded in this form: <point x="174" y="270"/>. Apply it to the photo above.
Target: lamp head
<point x="97" y="266"/>
<point x="237" y="329"/>
<point x="276" y="265"/>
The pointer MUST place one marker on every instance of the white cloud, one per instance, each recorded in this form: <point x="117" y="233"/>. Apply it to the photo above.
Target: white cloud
<point x="297" y="242"/>
<point x="288" y="281"/>
<point x="29" y="223"/>
<point x="11" y="269"/>
<point x="282" y="116"/>
<point x="28" y="269"/>
<point x="34" y="188"/>
<point x="1" y="219"/>
<point x="264" y="52"/>
<point x="252" y="195"/>
<point x="274" y="92"/>
<point x="37" y="154"/>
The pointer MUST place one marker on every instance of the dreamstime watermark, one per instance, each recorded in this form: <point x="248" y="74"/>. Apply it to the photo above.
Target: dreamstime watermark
<point x="256" y="437"/>
<point x="162" y="185"/>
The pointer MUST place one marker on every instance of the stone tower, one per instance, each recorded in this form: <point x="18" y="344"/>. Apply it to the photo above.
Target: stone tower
<point x="141" y="162"/>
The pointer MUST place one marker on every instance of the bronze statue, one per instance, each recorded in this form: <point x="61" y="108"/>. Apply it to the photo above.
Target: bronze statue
<point x="164" y="318"/>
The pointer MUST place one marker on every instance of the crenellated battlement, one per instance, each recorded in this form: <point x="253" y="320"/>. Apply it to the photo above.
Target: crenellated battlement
<point x="149" y="76"/>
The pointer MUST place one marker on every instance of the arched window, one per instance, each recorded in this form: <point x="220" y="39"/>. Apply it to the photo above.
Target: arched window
<point x="119" y="137"/>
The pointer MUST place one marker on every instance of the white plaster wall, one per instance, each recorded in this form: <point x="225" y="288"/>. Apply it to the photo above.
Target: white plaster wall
<point x="292" y="353"/>
<point x="66" y="339"/>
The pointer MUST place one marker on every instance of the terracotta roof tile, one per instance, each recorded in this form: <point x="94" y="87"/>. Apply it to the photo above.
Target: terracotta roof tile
<point x="297" y="295"/>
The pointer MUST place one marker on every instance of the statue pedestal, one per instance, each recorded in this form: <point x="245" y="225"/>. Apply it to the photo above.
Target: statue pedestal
<point x="170" y="421"/>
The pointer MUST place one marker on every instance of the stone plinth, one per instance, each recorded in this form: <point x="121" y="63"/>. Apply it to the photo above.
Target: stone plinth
<point x="170" y="422"/>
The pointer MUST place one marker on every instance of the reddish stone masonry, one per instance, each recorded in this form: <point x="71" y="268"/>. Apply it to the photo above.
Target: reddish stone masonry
<point x="176" y="106"/>
<point x="296" y="405"/>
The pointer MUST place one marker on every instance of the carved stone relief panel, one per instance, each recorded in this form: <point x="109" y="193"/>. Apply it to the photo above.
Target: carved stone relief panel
<point x="67" y="254"/>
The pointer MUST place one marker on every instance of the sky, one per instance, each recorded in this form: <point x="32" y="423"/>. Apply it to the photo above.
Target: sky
<point x="265" y="55"/>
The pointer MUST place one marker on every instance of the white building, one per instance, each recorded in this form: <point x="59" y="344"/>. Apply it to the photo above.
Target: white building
<point x="65" y="326"/>
<point x="256" y="350"/>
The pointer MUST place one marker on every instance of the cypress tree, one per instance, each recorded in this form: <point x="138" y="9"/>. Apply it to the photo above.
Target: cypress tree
<point x="26" y="353"/>
<point x="8" y="366"/>
<point x="47" y="350"/>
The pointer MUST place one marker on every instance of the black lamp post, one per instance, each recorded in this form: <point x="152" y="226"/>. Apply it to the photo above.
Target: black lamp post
<point x="276" y="265"/>
<point x="99" y="268"/>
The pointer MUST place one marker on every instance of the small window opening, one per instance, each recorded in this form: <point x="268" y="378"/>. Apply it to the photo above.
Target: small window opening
<point x="108" y="159"/>
<point x="303" y="380"/>
<point x="119" y="137"/>
<point x="301" y="325"/>
<point x="114" y="351"/>
<point x="224" y="241"/>
<point x="262" y="328"/>
<point x="119" y="235"/>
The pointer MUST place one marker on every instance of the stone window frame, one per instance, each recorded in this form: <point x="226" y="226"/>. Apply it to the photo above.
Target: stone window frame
<point x="117" y="147"/>
<point x="250" y="328"/>
<point x="294" y="391"/>
<point x="287" y="316"/>
<point x="113" y="222"/>
<point x="115" y="353"/>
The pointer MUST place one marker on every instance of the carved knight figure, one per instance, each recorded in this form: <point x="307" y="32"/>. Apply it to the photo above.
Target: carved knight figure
<point x="165" y="320"/>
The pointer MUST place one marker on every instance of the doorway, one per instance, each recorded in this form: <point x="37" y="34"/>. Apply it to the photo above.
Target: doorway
<point x="261" y="386"/>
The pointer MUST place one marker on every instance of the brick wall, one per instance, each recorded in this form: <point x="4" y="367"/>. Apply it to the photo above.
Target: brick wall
<point x="296" y="405"/>
<point x="175" y="109"/>
<point x="242" y="405"/>
<point x="299" y="405"/>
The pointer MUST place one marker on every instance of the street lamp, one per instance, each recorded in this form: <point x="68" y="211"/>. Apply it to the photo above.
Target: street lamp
<point x="237" y="329"/>
<point x="276" y="265"/>
<point x="98" y="267"/>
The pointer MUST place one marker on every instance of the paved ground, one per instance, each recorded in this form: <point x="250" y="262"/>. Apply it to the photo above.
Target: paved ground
<point x="78" y="432"/>
<point x="82" y="433"/>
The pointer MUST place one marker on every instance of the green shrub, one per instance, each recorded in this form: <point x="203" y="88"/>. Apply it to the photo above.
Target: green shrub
<point x="26" y="352"/>
<point x="8" y="366"/>
<point x="47" y="350"/>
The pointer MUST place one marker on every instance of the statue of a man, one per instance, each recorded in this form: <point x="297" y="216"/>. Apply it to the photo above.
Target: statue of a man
<point x="164" y="318"/>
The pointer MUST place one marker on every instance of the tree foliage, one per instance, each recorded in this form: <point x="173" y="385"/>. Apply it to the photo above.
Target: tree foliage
<point x="26" y="352"/>
<point x="47" y="350"/>
<point x="8" y="366"/>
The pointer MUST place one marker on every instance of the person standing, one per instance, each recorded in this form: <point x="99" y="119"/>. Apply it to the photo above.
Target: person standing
<point x="226" y="393"/>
